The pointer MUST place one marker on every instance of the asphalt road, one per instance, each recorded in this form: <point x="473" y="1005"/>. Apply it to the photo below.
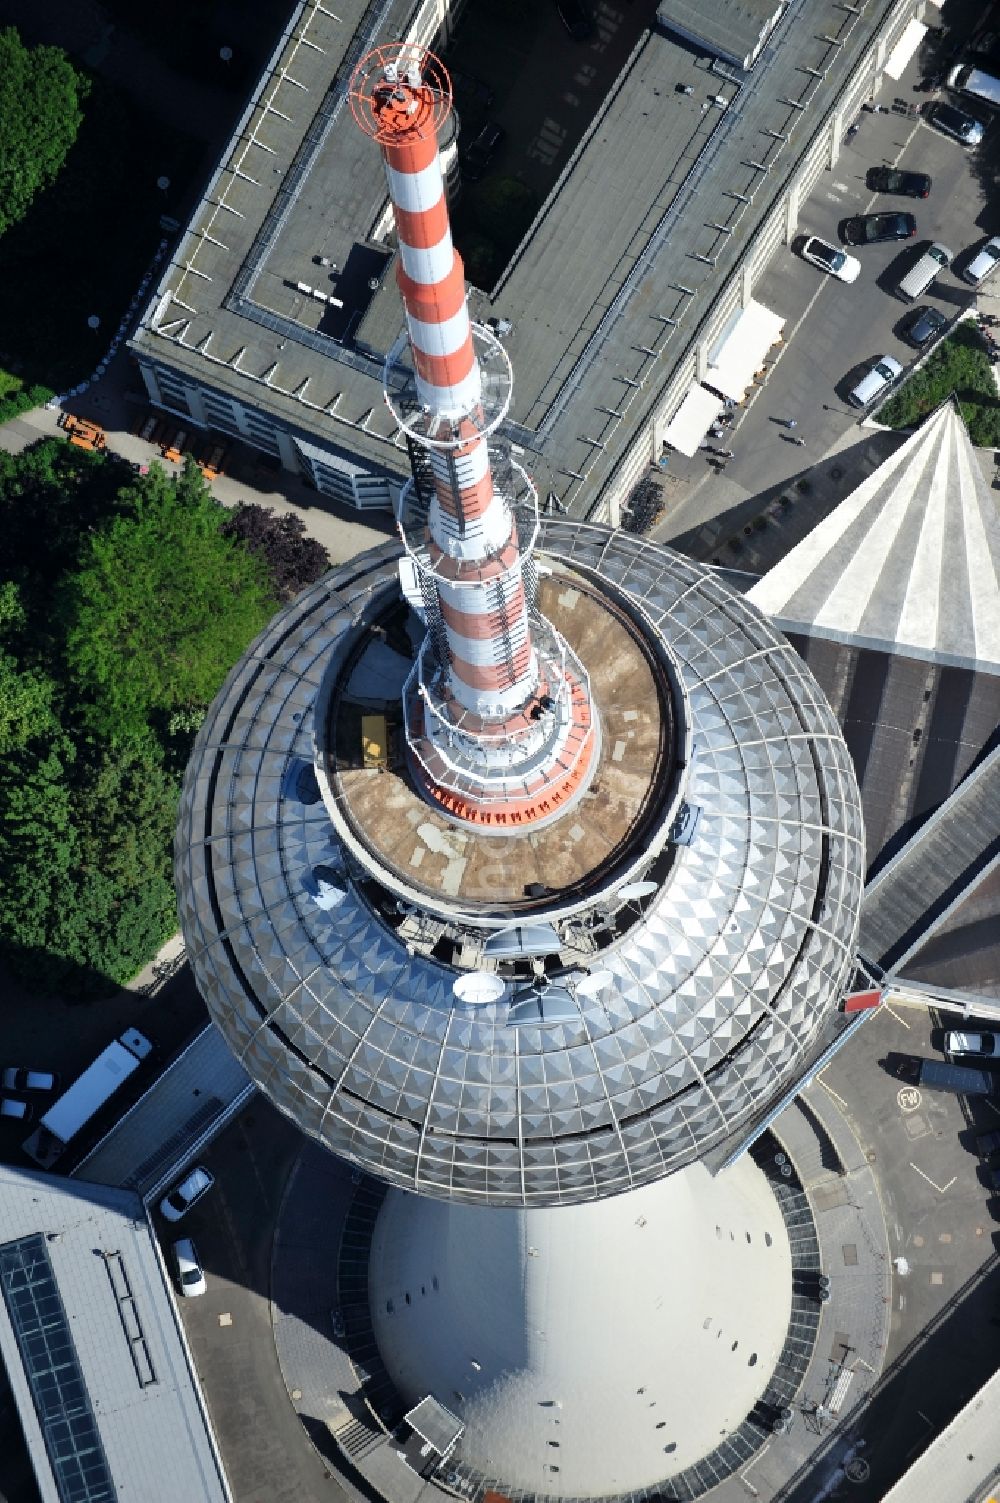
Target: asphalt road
<point x="265" y="1451"/>
<point x="942" y="1221"/>
<point x="833" y="329"/>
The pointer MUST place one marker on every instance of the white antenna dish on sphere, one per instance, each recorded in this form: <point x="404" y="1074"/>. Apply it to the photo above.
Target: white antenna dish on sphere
<point x="633" y="890"/>
<point x="593" y="982"/>
<point x="478" y="988"/>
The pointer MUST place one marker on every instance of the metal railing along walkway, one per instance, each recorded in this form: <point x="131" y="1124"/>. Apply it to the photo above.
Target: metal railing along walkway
<point x="183" y="1109"/>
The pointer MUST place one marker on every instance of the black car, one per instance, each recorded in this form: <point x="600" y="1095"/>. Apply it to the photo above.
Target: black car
<point x="481" y="150"/>
<point x="957" y="123"/>
<point x="922" y="325"/>
<point x="895" y="180"/>
<point x="867" y="228"/>
<point x="576" y="18"/>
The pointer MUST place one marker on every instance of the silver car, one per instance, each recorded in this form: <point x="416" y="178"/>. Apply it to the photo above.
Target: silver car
<point x="187" y="1266"/>
<point x="981" y="1045"/>
<point x="182" y="1197"/>
<point x="882" y="374"/>
<point x="984" y="262"/>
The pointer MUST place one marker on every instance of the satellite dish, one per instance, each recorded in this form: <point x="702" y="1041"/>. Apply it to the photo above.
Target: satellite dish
<point x="633" y="890"/>
<point x="478" y="988"/>
<point x="593" y="982"/>
<point x="523" y="939"/>
<point x="543" y="1004"/>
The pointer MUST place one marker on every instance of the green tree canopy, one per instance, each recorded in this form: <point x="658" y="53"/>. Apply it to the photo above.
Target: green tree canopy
<point x="40" y="98"/>
<point x="160" y="607"/>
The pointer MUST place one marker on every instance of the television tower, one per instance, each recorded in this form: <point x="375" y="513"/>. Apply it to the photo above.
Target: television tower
<point x="526" y="975"/>
<point x="499" y="721"/>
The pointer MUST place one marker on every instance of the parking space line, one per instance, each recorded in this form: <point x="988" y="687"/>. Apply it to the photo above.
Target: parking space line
<point x="939" y="1188"/>
<point x="829" y="1089"/>
<point x="896" y="1015"/>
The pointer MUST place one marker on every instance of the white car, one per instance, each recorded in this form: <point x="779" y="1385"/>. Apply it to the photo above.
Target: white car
<point x="16" y="1078"/>
<point x="984" y="1045"/>
<point x="178" y="1201"/>
<point x="190" y="1274"/>
<point x="828" y="258"/>
<point x="882" y="374"/>
<point x="984" y="262"/>
<point x="20" y="1111"/>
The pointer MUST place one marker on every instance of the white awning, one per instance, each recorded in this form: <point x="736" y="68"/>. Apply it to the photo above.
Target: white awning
<point x="739" y="352"/>
<point x="905" y="48"/>
<point x="692" y="420"/>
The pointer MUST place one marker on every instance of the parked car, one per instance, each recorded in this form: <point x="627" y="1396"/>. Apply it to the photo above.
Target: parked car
<point x="576" y="18"/>
<point x="178" y="1201"/>
<point x="16" y="1078"/>
<point x="895" y="180"/>
<point x="984" y="262"/>
<point x="866" y="229"/>
<point x="925" y="270"/>
<point x="882" y="374"/>
<point x="187" y="1266"/>
<point x="957" y="123"/>
<point x="828" y="258"/>
<point x="984" y="1045"/>
<point x="19" y="1111"/>
<point x="922" y="325"/>
<point x="481" y="150"/>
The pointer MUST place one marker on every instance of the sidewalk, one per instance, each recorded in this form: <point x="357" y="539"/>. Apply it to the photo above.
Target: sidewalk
<point x="112" y="403"/>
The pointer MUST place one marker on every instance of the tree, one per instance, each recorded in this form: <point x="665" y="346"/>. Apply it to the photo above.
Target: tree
<point x="161" y="606"/>
<point x="40" y="98"/>
<point x="37" y="845"/>
<point x="293" y="560"/>
<point x="26" y="700"/>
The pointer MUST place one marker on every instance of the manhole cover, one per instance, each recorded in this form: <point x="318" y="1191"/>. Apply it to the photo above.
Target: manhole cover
<point x="857" y="1470"/>
<point x="870" y="1155"/>
<point x="837" y="473"/>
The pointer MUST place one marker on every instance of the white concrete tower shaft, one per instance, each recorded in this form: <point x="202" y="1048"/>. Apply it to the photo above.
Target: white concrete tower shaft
<point x="503" y="730"/>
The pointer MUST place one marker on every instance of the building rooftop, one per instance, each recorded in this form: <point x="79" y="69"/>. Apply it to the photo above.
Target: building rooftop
<point x="93" y="1350"/>
<point x="908" y="563"/>
<point x="732" y="28"/>
<point x="607" y="292"/>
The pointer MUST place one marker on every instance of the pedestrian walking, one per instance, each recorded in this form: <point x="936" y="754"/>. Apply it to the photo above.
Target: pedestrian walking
<point x="796" y="439"/>
<point x="790" y="422"/>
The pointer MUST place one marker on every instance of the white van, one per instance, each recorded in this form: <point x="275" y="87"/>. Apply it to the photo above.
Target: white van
<point x="882" y="374"/>
<point x="975" y="84"/>
<point x="936" y="258"/>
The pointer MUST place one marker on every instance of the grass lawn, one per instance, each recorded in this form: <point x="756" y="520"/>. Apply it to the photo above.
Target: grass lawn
<point x="959" y="365"/>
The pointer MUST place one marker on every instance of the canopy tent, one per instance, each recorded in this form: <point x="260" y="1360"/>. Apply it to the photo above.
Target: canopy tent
<point x="913" y="35"/>
<point x="436" y="1425"/>
<point x="739" y="352"/>
<point x="692" y="420"/>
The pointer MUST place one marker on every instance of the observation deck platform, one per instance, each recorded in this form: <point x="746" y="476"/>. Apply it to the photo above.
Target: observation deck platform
<point x="499" y="863"/>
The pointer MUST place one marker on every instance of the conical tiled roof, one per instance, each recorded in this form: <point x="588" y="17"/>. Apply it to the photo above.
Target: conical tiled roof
<point x="907" y="563"/>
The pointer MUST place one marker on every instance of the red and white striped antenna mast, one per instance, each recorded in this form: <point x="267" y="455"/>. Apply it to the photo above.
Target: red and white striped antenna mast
<point x="500" y="726"/>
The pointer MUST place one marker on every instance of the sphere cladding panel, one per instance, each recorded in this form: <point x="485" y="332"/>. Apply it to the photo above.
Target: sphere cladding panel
<point x="715" y="995"/>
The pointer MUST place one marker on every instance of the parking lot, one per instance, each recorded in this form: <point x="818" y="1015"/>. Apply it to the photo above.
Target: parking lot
<point x="834" y="331"/>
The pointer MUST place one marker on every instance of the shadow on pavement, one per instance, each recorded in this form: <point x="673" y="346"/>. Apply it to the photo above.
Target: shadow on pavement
<point x="944" y="1365"/>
